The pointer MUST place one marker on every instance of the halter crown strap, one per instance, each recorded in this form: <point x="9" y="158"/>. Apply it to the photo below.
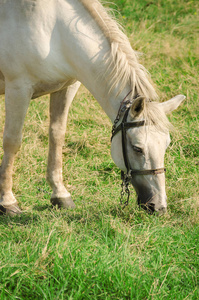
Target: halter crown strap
<point x="127" y="126"/>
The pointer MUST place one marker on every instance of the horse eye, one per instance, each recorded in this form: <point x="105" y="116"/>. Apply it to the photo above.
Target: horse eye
<point x="137" y="149"/>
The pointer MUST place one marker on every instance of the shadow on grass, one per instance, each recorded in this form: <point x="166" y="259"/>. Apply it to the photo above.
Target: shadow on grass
<point x="27" y="217"/>
<point x="43" y="207"/>
<point x="129" y="215"/>
<point x="86" y="214"/>
<point x="23" y="219"/>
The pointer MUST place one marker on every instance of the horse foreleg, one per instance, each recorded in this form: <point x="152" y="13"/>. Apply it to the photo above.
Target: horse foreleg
<point x="59" y="107"/>
<point x="16" y="104"/>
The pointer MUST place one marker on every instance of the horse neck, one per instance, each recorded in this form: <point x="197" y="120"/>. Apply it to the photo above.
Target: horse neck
<point x="110" y="101"/>
<point x="88" y="56"/>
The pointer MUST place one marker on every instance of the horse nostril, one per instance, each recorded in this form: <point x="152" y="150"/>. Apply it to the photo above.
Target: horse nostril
<point x="162" y="211"/>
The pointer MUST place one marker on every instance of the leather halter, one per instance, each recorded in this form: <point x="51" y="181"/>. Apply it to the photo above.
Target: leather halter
<point x="123" y="127"/>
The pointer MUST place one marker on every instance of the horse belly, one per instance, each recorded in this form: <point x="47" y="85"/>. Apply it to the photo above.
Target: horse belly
<point x="42" y="88"/>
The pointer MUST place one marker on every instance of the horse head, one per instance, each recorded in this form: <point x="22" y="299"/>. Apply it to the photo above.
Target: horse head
<point x="138" y="148"/>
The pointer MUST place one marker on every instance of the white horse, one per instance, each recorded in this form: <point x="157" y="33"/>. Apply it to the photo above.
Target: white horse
<point x="49" y="46"/>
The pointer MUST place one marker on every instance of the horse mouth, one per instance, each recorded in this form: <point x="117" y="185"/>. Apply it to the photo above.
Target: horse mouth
<point x="150" y="207"/>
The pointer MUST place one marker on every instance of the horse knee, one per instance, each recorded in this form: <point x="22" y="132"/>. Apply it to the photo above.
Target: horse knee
<point x="57" y="133"/>
<point x="11" y="144"/>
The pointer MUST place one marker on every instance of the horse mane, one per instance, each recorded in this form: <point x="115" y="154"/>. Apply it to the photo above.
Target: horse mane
<point x="122" y="60"/>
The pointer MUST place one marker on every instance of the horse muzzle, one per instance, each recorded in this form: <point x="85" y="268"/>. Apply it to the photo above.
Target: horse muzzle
<point x="150" y="199"/>
<point x="152" y="207"/>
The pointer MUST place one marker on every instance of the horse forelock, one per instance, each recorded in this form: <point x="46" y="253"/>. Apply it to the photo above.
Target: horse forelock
<point x="154" y="115"/>
<point x="122" y="62"/>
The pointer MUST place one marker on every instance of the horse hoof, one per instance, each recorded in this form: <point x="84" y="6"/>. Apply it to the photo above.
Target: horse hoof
<point x="65" y="202"/>
<point x="10" y="210"/>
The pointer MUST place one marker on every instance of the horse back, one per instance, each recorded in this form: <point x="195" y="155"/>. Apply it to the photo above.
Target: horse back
<point x="30" y="42"/>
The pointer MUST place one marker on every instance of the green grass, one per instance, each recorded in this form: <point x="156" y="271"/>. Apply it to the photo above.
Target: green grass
<point x="99" y="251"/>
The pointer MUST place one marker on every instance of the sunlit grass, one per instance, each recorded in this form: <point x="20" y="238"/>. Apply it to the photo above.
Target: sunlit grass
<point x="99" y="250"/>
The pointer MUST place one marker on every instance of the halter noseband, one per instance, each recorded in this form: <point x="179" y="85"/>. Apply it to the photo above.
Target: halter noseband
<point x="123" y="127"/>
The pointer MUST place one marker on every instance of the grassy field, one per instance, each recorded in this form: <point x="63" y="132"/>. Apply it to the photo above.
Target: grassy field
<point x="100" y="251"/>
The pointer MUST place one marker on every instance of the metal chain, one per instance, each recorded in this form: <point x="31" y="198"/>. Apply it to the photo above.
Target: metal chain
<point x="114" y="125"/>
<point x="125" y="190"/>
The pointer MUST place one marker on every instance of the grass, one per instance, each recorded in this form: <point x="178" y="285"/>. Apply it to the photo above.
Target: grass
<point x="100" y="251"/>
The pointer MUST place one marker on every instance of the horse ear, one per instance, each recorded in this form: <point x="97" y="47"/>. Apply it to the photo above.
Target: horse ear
<point x="172" y="104"/>
<point x="137" y="106"/>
